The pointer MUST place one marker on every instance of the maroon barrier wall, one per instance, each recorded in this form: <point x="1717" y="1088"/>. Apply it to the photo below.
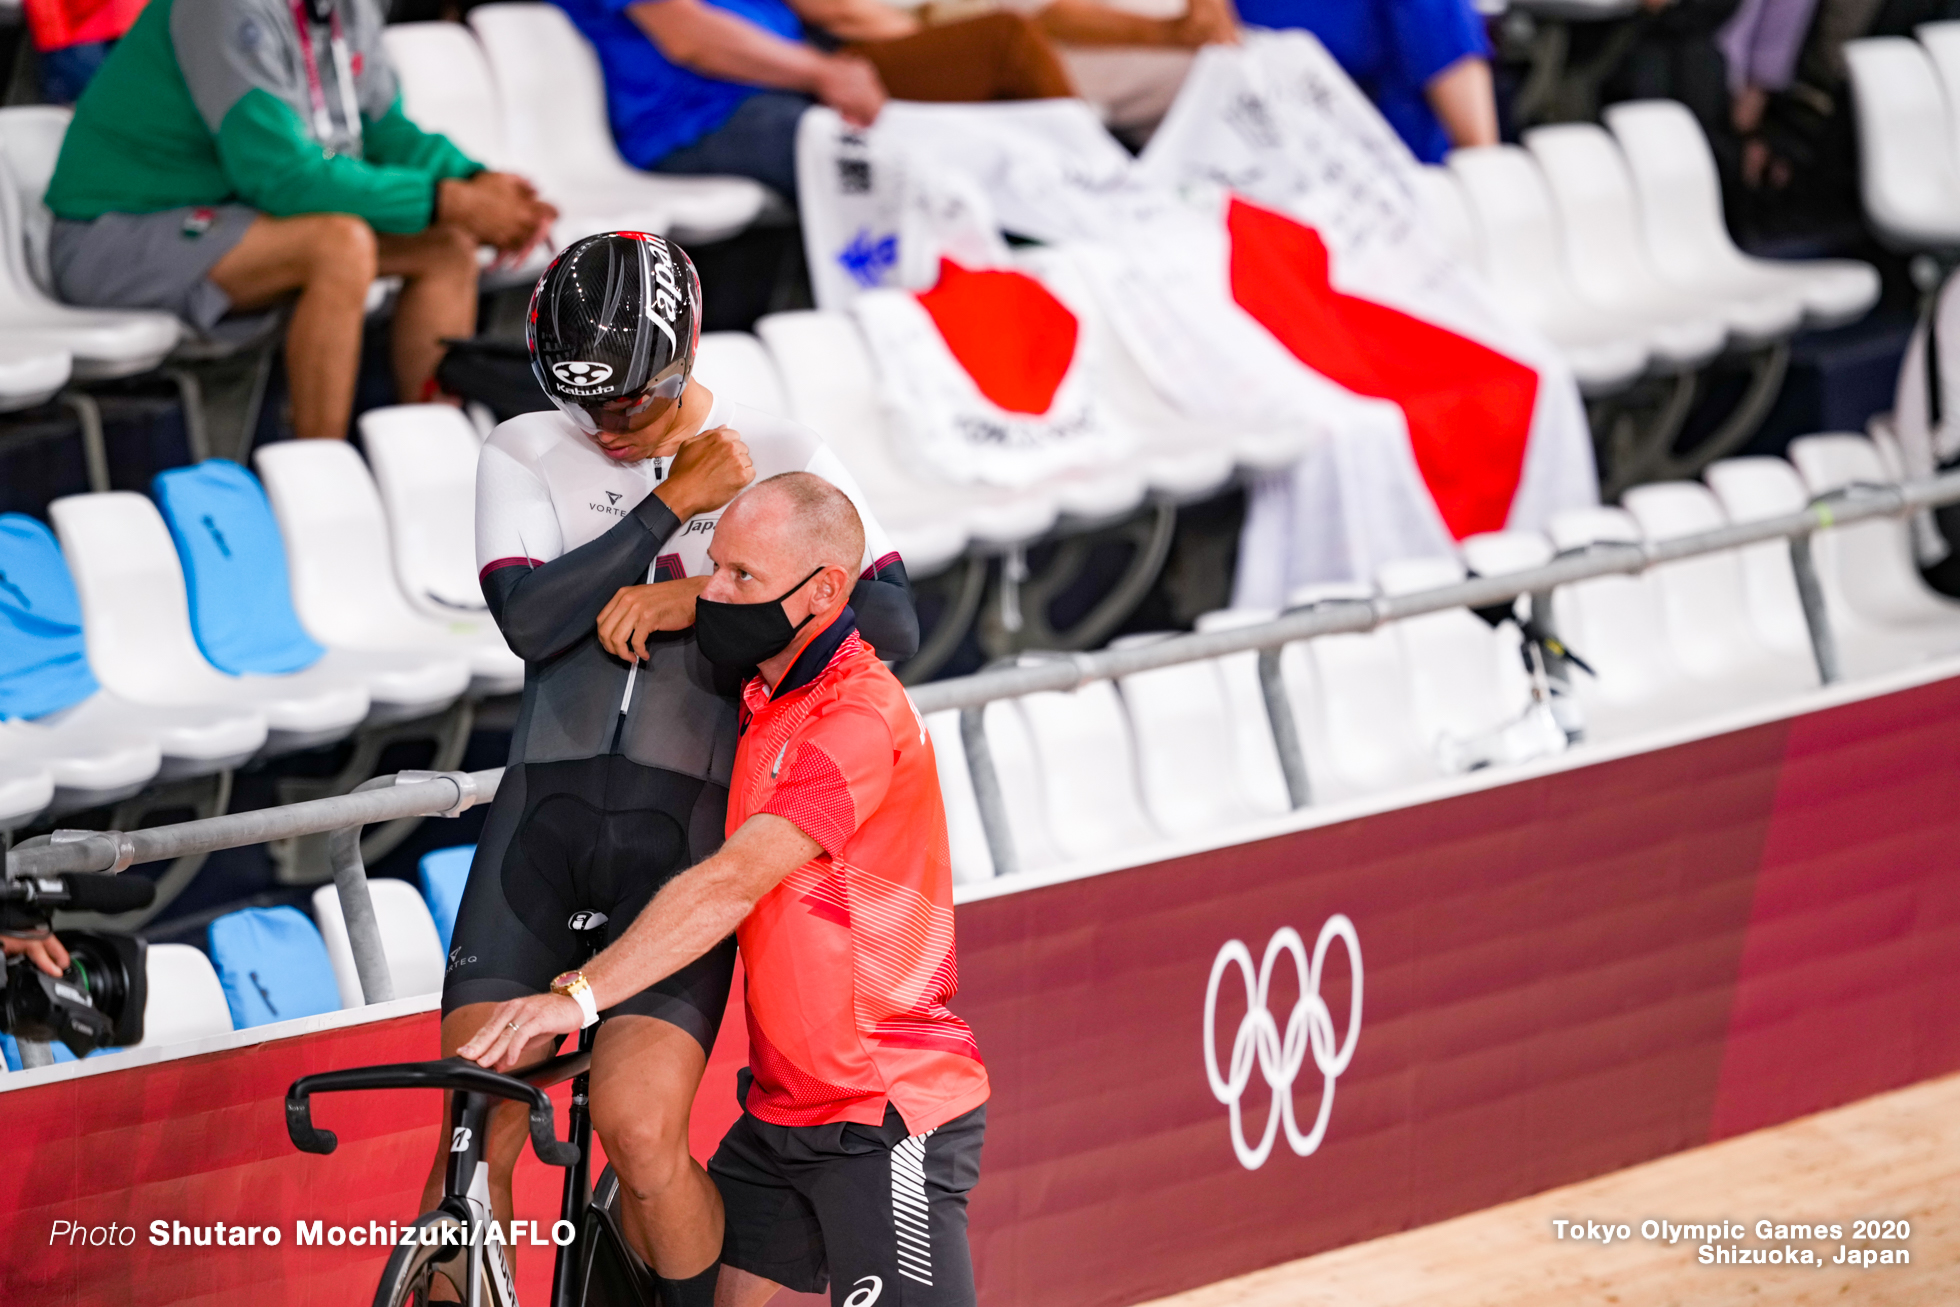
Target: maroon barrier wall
<point x="1560" y="977"/>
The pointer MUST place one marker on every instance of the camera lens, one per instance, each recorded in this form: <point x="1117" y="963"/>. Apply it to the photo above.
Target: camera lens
<point x="102" y="975"/>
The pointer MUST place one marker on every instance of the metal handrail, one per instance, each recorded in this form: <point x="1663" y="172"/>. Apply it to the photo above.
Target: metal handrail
<point x="421" y="794"/>
<point x="1070" y="671"/>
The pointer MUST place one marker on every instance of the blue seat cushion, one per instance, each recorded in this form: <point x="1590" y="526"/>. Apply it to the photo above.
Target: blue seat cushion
<point x="234" y="569"/>
<point x="443" y="874"/>
<point x="43" y="664"/>
<point x="273" y="966"/>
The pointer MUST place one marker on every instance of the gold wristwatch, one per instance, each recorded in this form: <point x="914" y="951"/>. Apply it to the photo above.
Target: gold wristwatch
<point x="573" y="985"/>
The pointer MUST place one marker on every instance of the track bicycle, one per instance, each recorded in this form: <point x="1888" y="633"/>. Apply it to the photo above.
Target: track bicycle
<point x="597" y="1268"/>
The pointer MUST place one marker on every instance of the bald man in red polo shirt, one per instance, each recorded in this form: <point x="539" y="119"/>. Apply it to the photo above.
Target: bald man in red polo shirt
<point x="864" y="1102"/>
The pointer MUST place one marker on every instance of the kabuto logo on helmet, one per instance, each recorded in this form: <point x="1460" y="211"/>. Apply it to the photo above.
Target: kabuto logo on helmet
<point x="577" y="373"/>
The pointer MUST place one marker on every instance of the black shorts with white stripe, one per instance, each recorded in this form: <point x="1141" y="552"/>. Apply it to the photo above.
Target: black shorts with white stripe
<point x="874" y="1214"/>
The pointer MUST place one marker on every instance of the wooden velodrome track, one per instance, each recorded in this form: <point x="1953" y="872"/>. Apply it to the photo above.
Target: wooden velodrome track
<point x="1896" y="1155"/>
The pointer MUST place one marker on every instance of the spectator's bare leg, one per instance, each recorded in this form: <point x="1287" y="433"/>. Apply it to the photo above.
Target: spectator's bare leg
<point x="438" y="300"/>
<point x="329" y="258"/>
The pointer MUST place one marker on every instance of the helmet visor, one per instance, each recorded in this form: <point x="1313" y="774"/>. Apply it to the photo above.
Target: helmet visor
<point x="622" y="413"/>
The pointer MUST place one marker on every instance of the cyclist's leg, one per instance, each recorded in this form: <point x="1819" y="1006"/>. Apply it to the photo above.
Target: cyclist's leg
<point x="644" y="1074"/>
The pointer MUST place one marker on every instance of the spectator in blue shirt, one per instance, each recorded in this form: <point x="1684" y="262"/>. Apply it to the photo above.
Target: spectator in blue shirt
<point x="1425" y="63"/>
<point x="717" y="86"/>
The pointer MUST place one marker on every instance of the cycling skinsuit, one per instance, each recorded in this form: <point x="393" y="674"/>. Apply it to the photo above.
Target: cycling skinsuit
<point x="618" y="775"/>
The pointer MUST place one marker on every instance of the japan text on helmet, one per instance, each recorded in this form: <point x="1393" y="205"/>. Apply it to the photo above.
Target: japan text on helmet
<point x="613" y="327"/>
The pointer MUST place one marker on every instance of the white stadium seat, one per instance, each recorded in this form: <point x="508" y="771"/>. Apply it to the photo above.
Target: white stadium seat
<point x="193" y="741"/>
<point x="30" y="374"/>
<point x="90" y="766"/>
<point x="1942" y="44"/>
<point x="423" y="458"/>
<point x="1510" y="192"/>
<point x="737" y="366"/>
<point x="1518" y="234"/>
<point x="137" y="621"/>
<point x="1755" y="488"/>
<point x="1261" y="778"/>
<point x="342" y="573"/>
<point x="1616" y="624"/>
<point x="1867" y="569"/>
<point x="446" y="87"/>
<point x="1350" y="696"/>
<point x="1705" y="599"/>
<point x="1749" y="490"/>
<point x="1681" y="213"/>
<point x="973" y="862"/>
<point x="1187" y="746"/>
<point x="186" y="1002"/>
<point x="102" y="343"/>
<point x="1908" y="173"/>
<point x="408" y="940"/>
<point x="26" y="789"/>
<point x="1023" y="790"/>
<point x="554" y="103"/>
<point x="1497" y="553"/>
<point x="1087" y="763"/>
<point x="1465" y="678"/>
<point x="1606" y="250"/>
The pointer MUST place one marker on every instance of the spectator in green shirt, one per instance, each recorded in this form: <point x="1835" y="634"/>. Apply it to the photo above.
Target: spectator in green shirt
<point x="232" y="154"/>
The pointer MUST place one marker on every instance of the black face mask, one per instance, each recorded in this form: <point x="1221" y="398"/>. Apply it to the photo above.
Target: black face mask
<point x="746" y="635"/>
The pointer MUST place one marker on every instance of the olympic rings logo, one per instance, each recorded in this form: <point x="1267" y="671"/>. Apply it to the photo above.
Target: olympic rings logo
<point x="1279" y="1059"/>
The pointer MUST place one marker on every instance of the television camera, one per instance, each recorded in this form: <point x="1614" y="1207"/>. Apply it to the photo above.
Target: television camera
<point x="98" y="1001"/>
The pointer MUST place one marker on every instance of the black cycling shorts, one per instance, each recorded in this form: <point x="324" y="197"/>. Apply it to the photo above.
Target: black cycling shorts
<point x="874" y="1214"/>
<point x="589" y="834"/>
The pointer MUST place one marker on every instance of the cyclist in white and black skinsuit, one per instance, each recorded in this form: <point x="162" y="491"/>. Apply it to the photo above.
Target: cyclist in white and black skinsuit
<point x="593" y="523"/>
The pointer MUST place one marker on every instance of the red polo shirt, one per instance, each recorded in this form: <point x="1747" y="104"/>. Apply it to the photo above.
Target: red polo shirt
<point x="850" y="959"/>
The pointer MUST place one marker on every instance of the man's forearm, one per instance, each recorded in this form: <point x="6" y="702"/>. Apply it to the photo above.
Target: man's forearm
<point x="699" y="908"/>
<point x="857" y="20"/>
<point x="690" y="915"/>
<point x="1464" y="102"/>
<point x="718" y="44"/>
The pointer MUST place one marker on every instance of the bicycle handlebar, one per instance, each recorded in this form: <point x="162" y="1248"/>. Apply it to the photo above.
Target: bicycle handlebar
<point x="452" y="1073"/>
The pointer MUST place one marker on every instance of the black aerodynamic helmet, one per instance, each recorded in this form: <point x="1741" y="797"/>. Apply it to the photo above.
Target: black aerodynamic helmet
<point x="613" y="327"/>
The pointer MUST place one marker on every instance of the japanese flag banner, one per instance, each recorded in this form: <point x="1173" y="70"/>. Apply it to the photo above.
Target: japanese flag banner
<point x="1331" y="252"/>
<point x="985" y="378"/>
<point x="982" y="369"/>
<point x="1268" y="267"/>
